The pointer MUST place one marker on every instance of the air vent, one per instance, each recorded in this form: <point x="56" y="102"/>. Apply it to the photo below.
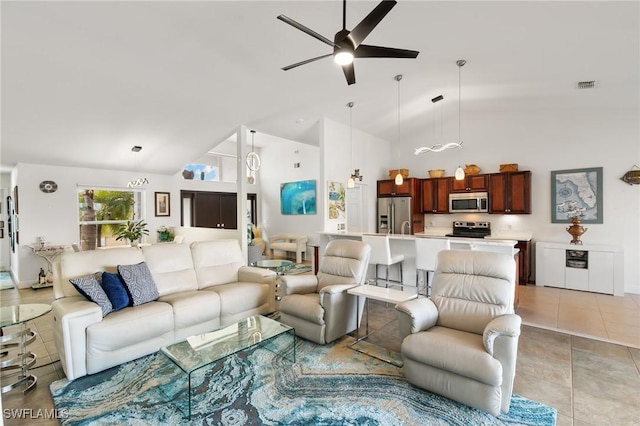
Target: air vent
<point x="591" y="84"/>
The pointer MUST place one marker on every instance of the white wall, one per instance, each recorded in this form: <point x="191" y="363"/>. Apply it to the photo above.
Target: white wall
<point x="543" y="141"/>
<point x="55" y="215"/>
<point x="370" y="154"/>
<point x="278" y="158"/>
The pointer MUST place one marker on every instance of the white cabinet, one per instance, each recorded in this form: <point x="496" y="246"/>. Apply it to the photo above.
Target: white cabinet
<point x="595" y="268"/>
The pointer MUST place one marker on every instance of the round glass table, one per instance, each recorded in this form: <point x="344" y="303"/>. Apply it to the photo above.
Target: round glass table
<point x="22" y="360"/>
<point x="277" y="265"/>
<point x="280" y="267"/>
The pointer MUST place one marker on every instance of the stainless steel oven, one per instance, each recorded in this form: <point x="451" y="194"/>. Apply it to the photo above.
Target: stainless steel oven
<point x="472" y="202"/>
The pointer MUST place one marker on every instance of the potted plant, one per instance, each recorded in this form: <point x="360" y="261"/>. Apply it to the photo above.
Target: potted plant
<point x="164" y="234"/>
<point x="132" y="231"/>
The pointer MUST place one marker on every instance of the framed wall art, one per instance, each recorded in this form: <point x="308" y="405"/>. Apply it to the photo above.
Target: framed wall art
<point x="163" y="203"/>
<point x="298" y="197"/>
<point x="576" y="193"/>
<point x="336" y="201"/>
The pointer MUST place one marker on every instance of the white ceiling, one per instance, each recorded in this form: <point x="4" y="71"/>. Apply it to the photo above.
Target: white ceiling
<point x="82" y="82"/>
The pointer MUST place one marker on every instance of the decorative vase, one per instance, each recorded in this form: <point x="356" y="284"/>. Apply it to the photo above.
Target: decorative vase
<point x="576" y="230"/>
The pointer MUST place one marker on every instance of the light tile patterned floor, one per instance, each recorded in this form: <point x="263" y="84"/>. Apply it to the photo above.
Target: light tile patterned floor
<point x="590" y="382"/>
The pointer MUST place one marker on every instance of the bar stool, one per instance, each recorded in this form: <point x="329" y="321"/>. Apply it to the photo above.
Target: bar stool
<point x="427" y="250"/>
<point x="381" y="255"/>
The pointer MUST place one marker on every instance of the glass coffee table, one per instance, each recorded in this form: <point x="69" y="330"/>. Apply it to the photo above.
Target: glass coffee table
<point x="204" y="350"/>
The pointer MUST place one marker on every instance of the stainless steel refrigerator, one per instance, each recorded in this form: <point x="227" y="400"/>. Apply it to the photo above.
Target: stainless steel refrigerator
<point x="394" y="215"/>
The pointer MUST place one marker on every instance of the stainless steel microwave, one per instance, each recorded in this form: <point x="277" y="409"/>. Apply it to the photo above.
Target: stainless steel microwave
<point x="469" y="202"/>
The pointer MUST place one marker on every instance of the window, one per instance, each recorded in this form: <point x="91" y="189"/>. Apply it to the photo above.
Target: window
<point x="102" y="211"/>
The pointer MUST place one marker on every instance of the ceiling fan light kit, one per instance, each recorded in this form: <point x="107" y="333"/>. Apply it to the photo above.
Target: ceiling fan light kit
<point x="347" y="45"/>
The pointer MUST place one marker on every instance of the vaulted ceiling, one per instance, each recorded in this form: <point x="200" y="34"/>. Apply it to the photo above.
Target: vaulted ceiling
<point x="82" y="82"/>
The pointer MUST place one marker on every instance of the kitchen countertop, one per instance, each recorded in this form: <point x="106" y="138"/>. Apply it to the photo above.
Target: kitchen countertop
<point x="440" y="233"/>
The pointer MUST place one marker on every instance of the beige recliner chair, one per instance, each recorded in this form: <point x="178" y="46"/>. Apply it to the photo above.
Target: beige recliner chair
<point x="463" y="342"/>
<point x="318" y="307"/>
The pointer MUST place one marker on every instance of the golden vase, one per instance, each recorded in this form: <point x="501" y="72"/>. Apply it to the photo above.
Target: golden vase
<point x="576" y="230"/>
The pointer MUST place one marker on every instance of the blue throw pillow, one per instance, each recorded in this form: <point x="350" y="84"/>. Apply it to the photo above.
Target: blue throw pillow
<point x="116" y="290"/>
<point x="139" y="282"/>
<point x="90" y="288"/>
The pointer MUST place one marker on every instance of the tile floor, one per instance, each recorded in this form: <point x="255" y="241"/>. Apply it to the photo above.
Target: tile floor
<point x="589" y="381"/>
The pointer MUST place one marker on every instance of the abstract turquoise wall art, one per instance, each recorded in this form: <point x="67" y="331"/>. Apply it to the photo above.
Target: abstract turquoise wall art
<point x="298" y="197"/>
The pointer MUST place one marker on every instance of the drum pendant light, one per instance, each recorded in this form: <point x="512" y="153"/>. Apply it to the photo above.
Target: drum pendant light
<point x="459" y="175"/>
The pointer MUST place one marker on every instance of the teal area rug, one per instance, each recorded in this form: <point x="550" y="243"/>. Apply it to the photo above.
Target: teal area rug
<point x="5" y="281"/>
<point x="328" y="385"/>
<point x="298" y="268"/>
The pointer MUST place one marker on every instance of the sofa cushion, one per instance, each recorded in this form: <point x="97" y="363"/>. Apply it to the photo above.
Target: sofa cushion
<point x="129" y="327"/>
<point x="455" y="351"/>
<point x="171" y="267"/>
<point x="116" y="290"/>
<point x="216" y="262"/>
<point x="193" y="307"/>
<point x="240" y="297"/>
<point x="139" y="282"/>
<point x="78" y="264"/>
<point x="90" y="288"/>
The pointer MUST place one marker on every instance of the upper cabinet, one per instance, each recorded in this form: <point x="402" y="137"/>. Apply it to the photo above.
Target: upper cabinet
<point x="510" y="193"/>
<point x="470" y="183"/>
<point x="435" y="195"/>
<point x="408" y="188"/>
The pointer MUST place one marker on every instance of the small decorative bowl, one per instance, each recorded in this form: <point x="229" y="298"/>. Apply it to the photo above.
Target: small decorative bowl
<point x="436" y="173"/>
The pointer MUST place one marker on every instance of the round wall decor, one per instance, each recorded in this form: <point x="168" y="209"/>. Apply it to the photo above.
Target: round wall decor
<point x="48" y="186"/>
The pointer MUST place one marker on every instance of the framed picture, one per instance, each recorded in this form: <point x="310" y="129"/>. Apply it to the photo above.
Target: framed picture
<point x="163" y="203"/>
<point x="1" y="224"/>
<point x="336" y="201"/>
<point x="1" y="233"/>
<point x="298" y="197"/>
<point x="576" y="192"/>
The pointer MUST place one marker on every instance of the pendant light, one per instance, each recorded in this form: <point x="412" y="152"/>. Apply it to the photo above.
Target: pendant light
<point x="438" y="147"/>
<point x="253" y="160"/>
<point x="139" y="181"/>
<point x="398" y="178"/>
<point x="459" y="175"/>
<point x="351" y="183"/>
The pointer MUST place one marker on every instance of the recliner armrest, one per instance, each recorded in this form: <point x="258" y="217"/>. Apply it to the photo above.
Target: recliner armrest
<point x="502" y="326"/>
<point x="336" y="288"/>
<point x="416" y="315"/>
<point x="299" y="284"/>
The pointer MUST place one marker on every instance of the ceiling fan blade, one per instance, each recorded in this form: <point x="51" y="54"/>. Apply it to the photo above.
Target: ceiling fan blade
<point x="349" y="73"/>
<point x="362" y="30"/>
<point x="306" y="30"/>
<point x="306" y="62"/>
<point x="366" y="51"/>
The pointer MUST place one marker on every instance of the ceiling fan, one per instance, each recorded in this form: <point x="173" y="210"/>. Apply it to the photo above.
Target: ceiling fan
<point x="347" y="45"/>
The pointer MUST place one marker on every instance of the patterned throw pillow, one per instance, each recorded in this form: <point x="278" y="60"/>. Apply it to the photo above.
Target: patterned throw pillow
<point x="139" y="282"/>
<point x="90" y="288"/>
<point x="116" y="290"/>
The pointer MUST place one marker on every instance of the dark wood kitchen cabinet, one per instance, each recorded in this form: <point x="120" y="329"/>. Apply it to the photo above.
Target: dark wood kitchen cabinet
<point x="408" y="188"/>
<point x="510" y="193"/>
<point x="470" y="183"/>
<point x="524" y="261"/>
<point x="435" y="195"/>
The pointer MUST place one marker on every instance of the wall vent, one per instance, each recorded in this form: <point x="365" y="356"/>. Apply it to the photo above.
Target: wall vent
<point x="590" y="84"/>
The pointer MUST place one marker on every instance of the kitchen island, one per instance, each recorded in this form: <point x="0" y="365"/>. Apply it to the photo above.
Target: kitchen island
<point x="405" y="244"/>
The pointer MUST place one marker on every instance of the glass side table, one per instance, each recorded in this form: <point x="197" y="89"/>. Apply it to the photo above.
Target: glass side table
<point x="23" y="359"/>
<point x="279" y="266"/>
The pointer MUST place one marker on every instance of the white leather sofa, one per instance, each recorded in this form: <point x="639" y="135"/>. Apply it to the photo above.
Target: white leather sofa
<point x="202" y="286"/>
